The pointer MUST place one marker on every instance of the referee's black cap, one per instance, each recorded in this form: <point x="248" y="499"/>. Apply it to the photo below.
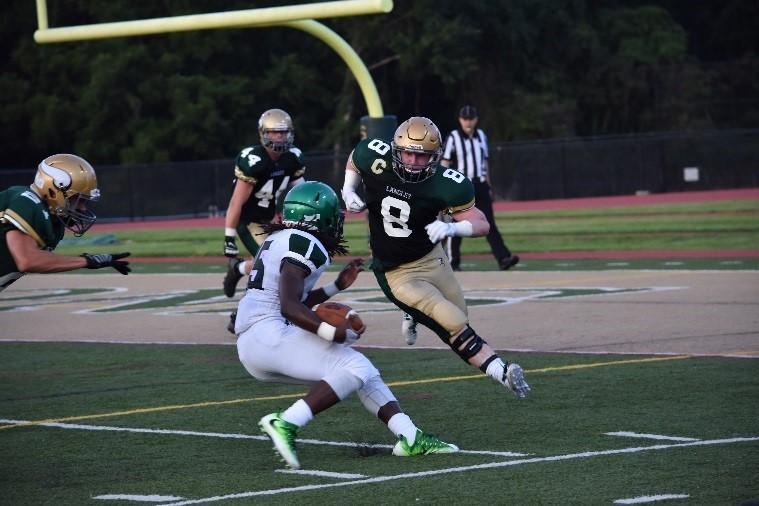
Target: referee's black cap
<point x="468" y="112"/>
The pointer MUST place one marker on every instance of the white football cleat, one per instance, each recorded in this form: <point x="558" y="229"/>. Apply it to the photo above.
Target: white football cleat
<point x="513" y="379"/>
<point x="408" y="329"/>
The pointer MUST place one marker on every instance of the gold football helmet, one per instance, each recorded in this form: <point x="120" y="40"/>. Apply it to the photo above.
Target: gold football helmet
<point x="67" y="183"/>
<point x="416" y="135"/>
<point x="276" y="120"/>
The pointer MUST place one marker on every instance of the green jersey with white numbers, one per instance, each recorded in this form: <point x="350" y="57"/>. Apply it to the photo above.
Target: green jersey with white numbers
<point x="398" y="211"/>
<point x="269" y="179"/>
<point x="23" y="210"/>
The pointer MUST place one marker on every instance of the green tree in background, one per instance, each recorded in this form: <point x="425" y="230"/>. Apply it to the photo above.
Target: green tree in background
<point x="537" y="69"/>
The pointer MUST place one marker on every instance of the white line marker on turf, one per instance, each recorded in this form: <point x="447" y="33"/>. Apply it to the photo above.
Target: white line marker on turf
<point x="138" y="498"/>
<point x="229" y="436"/>
<point x="463" y="469"/>
<point x="650" y="436"/>
<point x="651" y="498"/>
<point x="326" y="474"/>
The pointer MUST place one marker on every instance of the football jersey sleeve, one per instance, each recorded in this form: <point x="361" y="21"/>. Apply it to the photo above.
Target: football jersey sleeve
<point x="300" y="170"/>
<point x="305" y="251"/>
<point x="248" y="165"/>
<point x="457" y="190"/>
<point x="26" y="213"/>
<point x="371" y="154"/>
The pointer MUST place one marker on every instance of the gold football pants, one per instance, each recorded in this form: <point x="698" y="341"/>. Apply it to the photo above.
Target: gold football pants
<point x="428" y="290"/>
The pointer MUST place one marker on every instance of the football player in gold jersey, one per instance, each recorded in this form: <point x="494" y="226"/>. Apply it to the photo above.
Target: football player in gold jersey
<point x="406" y="190"/>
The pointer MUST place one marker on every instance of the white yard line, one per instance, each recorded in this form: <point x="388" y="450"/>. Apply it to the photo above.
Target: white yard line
<point x="139" y="430"/>
<point x="138" y="498"/>
<point x="325" y="474"/>
<point x="478" y="467"/>
<point x="650" y="436"/>
<point x="651" y="498"/>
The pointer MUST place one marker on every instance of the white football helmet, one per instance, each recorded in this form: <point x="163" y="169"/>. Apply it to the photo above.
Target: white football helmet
<point x="67" y="183"/>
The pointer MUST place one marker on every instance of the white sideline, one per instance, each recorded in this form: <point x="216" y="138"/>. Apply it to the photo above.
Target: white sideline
<point x="491" y="465"/>
<point x="228" y="436"/>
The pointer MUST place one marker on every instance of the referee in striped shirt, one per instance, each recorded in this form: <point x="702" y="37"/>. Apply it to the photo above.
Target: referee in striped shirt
<point x="466" y="149"/>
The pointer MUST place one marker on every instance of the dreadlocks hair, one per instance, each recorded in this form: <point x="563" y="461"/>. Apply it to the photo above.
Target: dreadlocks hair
<point x="334" y="245"/>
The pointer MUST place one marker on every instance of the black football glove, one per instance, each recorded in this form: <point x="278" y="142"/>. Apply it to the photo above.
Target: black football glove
<point x="230" y="247"/>
<point x="108" y="260"/>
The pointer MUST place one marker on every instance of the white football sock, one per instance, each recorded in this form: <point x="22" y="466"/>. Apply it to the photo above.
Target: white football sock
<point x="495" y="370"/>
<point x="299" y="413"/>
<point x="400" y="424"/>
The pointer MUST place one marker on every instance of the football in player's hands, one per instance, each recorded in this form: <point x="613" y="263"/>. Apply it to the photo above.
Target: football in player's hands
<point x="336" y="313"/>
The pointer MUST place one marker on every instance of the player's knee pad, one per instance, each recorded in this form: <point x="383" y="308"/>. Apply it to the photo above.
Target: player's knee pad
<point x="375" y="394"/>
<point x="472" y="344"/>
<point x="343" y="382"/>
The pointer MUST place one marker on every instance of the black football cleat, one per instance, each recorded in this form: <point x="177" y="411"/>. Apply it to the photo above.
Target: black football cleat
<point x="507" y="263"/>
<point x="232" y="277"/>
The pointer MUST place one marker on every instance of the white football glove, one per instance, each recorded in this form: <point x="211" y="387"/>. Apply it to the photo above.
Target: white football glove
<point x="353" y="202"/>
<point x="438" y="230"/>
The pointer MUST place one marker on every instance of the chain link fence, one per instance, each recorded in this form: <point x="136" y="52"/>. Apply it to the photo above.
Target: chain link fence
<point x="563" y="168"/>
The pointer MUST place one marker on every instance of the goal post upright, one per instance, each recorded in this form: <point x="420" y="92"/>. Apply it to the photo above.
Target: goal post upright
<point x="300" y="17"/>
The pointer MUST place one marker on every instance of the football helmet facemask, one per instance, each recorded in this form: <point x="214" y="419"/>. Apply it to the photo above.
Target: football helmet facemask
<point x="316" y="206"/>
<point x="67" y="183"/>
<point x="416" y="135"/>
<point x="276" y="120"/>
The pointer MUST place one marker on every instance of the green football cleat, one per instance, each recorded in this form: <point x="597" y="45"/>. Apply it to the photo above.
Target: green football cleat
<point x="424" y="444"/>
<point x="282" y="434"/>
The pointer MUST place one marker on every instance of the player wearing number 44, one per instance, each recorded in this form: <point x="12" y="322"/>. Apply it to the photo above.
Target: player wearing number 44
<point x="262" y="173"/>
<point x="405" y="192"/>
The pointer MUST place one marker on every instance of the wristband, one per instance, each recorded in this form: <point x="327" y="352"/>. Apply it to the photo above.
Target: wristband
<point x="230" y="232"/>
<point x="463" y="228"/>
<point x="330" y="289"/>
<point x="326" y="331"/>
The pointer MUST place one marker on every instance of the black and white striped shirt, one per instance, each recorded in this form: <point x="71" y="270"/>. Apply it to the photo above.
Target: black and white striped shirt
<point x="468" y="154"/>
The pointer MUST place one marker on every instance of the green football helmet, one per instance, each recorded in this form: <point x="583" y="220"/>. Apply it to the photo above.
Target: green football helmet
<point x="314" y="205"/>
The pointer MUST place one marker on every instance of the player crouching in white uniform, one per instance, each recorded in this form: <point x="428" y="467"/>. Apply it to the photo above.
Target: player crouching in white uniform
<point x="282" y="340"/>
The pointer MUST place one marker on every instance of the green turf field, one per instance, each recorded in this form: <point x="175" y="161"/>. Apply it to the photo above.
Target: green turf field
<point x="478" y="264"/>
<point x="723" y="225"/>
<point x="179" y="422"/>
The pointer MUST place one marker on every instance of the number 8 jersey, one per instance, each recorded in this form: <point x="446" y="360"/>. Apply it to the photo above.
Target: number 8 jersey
<point x="398" y="211"/>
